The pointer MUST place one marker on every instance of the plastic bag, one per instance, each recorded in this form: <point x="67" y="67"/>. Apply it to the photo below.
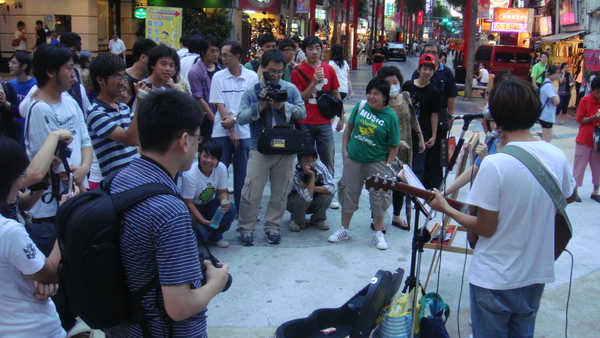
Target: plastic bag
<point x="396" y="318"/>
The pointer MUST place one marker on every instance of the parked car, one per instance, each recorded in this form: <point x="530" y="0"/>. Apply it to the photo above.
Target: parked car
<point x="497" y="58"/>
<point x="396" y="51"/>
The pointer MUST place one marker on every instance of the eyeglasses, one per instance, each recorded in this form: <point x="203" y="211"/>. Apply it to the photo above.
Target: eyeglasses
<point x="289" y="49"/>
<point x="118" y="78"/>
<point x="273" y="72"/>
<point x="431" y="52"/>
<point x="223" y="55"/>
<point x="200" y="138"/>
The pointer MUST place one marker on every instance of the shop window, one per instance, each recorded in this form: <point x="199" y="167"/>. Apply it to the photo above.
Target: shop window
<point x="523" y="58"/>
<point x="505" y="57"/>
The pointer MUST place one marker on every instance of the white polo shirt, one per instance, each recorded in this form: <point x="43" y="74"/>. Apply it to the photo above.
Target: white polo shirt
<point x="227" y="89"/>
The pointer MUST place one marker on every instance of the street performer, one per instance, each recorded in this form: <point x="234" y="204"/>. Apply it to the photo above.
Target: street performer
<point x="514" y="255"/>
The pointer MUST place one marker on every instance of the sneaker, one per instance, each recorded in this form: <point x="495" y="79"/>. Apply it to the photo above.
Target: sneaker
<point x="220" y="243"/>
<point x="379" y="240"/>
<point x="340" y="234"/>
<point x="334" y="204"/>
<point x="247" y="238"/>
<point x="273" y="237"/>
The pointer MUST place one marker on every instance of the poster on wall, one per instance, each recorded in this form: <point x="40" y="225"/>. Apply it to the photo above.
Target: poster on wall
<point x="302" y="6"/>
<point x="163" y="25"/>
<point x="483" y="9"/>
<point x="591" y="68"/>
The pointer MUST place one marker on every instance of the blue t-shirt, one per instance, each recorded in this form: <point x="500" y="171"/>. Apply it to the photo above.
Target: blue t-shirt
<point x="547" y="92"/>
<point x="22" y="88"/>
<point x="492" y="149"/>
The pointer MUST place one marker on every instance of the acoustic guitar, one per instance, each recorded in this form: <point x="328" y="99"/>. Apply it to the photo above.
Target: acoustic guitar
<point x="562" y="229"/>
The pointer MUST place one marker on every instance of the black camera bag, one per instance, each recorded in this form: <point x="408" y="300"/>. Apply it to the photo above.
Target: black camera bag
<point x="281" y="140"/>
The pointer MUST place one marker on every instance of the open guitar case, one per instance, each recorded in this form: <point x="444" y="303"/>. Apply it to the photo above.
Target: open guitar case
<point x="356" y="318"/>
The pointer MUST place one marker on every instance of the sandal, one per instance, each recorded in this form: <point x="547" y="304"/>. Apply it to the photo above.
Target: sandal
<point x="321" y="225"/>
<point x="295" y="227"/>
<point x="402" y="225"/>
<point x="382" y="228"/>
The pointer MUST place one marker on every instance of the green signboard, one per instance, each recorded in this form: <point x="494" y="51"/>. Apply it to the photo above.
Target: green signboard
<point x="139" y="13"/>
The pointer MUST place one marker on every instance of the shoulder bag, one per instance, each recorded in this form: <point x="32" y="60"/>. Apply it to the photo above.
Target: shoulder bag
<point x="329" y="105"/>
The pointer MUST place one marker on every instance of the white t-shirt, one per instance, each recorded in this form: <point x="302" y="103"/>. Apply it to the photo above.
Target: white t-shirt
<point x="547" y="92"/>
<point x="521" y="251"/>
<point x="182" y="52"/>
<point x="22" y="314"/>
<point x="227" y="89"/>
<point x="485" y="75"/>
<point x="186" y="63"/>
<point x="342" y="75"/>
<point x="46" y="118"/>
<point x="117" y="47"/>
<point x="195" y="185"/>
<point x="23" y="44"/>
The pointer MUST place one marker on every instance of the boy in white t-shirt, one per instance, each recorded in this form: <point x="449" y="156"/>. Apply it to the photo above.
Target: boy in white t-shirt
<point x="204" y="189"/>
<point x="514" y="253"/>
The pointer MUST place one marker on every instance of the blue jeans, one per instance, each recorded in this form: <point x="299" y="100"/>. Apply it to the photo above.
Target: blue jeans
<point x="322" y="135"/>
<point x="239" y="158"/>
<point x="505" y="313"/>
<point x="207" y="211"/>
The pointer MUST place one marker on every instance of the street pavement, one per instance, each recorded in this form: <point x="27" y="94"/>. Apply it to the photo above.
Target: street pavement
<point x="273" y="284"/>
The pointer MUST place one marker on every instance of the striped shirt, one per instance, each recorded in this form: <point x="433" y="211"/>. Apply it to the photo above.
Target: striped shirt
<point x="102" y="120"/>
<point x="157" y="238"/>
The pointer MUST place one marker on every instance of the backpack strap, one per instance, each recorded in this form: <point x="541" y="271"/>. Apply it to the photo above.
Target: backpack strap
<point x="548" y="99"/>
<point x="308" y="81"/>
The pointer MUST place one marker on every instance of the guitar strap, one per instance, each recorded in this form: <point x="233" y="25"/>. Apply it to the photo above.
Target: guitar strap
<point x="543" y="176"/>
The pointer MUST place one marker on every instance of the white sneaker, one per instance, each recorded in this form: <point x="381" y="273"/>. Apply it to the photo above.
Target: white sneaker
<point x="379" y="240"/>
<point x="334" y="204"/>
<point x="340" y="234"/>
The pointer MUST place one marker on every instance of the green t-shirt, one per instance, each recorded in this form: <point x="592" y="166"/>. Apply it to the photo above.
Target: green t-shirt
<point x="373" y="133"/>
<point x="537" y="72"/>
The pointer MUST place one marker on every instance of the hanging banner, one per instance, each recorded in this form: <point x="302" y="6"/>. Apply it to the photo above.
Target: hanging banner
<point x="163" y="25"/>
<point x="261" y="5"/>
<point x="420" y="18"/>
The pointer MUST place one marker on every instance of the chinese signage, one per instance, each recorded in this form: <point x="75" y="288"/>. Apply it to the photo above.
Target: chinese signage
<point x="163" y="25"/>
<point x="390" y="7"/>
<point x="518" y="20"/>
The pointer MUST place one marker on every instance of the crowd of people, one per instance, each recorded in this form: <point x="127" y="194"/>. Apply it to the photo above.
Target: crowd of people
<point x="183" y="118"/>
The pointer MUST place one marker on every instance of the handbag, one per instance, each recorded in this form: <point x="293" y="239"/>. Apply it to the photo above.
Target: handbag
<point x="597" y="138"/>
<point x="432" y="323"/>
<point x="16" y="42"/>
<point x="329" y="105"/>
<point x="281" y="140"/>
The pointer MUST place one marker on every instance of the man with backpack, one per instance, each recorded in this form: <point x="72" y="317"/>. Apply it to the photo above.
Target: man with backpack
<point x="157" y="239"/>
<point x="265" y="42"/>
<point x="538" y="72"/>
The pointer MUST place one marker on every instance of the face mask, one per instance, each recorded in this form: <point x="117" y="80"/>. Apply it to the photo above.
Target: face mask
<point x="394" y="90"/>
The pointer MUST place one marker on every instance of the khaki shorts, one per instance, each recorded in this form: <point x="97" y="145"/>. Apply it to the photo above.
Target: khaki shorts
<point x="351" y="184"/>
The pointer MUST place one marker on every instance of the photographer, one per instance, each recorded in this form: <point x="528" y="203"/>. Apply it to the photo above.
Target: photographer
<point x="265" y="115"/>
<point x="312" y="192"/>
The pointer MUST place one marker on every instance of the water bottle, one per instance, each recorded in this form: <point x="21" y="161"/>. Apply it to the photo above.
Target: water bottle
<point x="218" y="216"/>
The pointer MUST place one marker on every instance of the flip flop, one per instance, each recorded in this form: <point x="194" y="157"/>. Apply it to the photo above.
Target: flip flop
<point x="382" y="228"/>
<point x="402" y="225"/>
<point x="295" y="227"/>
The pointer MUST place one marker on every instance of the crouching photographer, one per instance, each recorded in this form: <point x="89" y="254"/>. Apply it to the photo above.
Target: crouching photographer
<point x="274" y="140"/>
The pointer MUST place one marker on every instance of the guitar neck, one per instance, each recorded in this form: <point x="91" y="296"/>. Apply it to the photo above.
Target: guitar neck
<point x="387" y="184"/>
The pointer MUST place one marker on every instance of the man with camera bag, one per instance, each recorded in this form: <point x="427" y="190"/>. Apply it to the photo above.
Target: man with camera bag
<point x="271" y="104"/>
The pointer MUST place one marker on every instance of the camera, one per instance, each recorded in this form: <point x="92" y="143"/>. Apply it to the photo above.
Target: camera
<point x="215" y="262"/>
<point x="62" y="151"/>
<point x="274" y="91"/>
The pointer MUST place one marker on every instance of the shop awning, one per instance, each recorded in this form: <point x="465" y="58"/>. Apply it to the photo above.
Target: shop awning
<point x="561" y="36"/>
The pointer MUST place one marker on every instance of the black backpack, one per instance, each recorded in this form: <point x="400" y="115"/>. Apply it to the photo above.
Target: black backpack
<point x="88" y="228"/>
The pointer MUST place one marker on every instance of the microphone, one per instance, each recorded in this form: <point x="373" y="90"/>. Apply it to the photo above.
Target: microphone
<point x="469" y="117"/>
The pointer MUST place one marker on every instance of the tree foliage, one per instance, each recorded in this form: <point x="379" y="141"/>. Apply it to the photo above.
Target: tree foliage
<point x="215" y="22"/>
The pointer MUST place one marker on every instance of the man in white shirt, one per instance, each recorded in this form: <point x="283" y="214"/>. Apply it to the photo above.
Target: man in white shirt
<point x="191" y="57"/>
<point x="226" y="90"/>
<point x="21" y="35"/>
<point x="117" y="46"/>
<point x="514" y="256"/>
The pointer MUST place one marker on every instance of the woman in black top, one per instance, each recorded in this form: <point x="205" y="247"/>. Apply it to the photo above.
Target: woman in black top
<point x="565" y="85"/>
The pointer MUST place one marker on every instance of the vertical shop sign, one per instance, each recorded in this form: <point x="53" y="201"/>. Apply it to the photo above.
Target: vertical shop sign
<point x="163" y="25"/>
<point x="420" y="18"/>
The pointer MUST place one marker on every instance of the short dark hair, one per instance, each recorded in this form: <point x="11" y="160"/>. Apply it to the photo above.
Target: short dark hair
<point x="160" y="52"/>
<point x="308" y="152"/>
<point x="105" y="65"/>
<point x="390" y="71"/>
<point x="49" y="58"/>
<point x="13" y="162"/>
<point x="296" y="39"/>
<point x="39" y="22"/>
<point x="544" y="53"/>
<point x="142" y="47"/>
<point x="207" y="41"/>
<point x="432" y="43"/>
<point x="265" y="38"/>
<point x="20" y="23"/>
<point x="553" y="69"/>
<point x="194" y="31"/>
<point x="595" y="83"/>
<point x="236" y="48"/>
<point x="286" y="43"/>
<point x="183" y="40"/>
<point x="428" y="65"/>
<point x="311" y="40"/>
<point x="23" y="58"/>
<point x="502" y="75"/>
<point x="71" y="39"/>
<point x="381" y="85"/>
<point x="274" y="55"/>
<point x="511" y="114"/>
<point x="563" y="65"/>
<point x="212" y="148"/>
<point x="164" y="115"/>
<point x="194" y="44"/>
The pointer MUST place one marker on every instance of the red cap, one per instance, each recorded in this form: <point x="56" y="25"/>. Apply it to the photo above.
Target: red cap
<point x="428" y="58"/>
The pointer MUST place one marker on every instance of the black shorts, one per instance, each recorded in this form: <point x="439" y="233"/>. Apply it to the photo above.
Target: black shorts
<point x="545" y="124"/>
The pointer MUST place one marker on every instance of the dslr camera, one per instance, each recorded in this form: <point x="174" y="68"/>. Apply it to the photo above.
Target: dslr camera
<point x="274" y="90"/>
<point x="215" y="262"/>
